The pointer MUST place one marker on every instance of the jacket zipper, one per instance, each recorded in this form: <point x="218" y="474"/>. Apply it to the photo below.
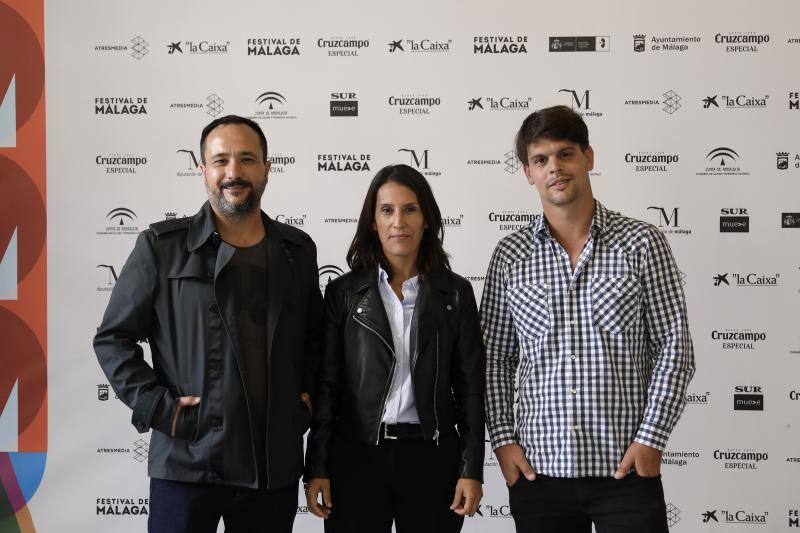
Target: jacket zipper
<point x="435" y="387"/>
<point x="388" y="383"/>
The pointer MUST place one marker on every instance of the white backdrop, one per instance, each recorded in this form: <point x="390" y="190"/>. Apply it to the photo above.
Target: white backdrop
<point x="111" y="174"/>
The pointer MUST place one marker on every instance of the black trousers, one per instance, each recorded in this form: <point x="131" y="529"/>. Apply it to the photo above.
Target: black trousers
<point x="634" y="504"/>
<point x="408" y="481"/>
<point x="181" y="507"/>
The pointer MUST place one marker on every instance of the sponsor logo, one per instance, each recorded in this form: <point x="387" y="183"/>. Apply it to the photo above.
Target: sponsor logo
<point x="740" y="459"/>
<point x="794" y="395"/>
<point x="343" y="162"/>
<point x="125" y="105"/>
<point x="344" y="105"/>
<point x="213" y="105"/>
<point x="136" y="48"/>
<point x="198" y="47"/>
<point x="454" y="221"/>
<point x="328" y="273"/>
<point x="500" y="44"/>
<point x="502" y="103"/>
<point x="669" y="102"/>
<point x="741" y="42"/>
<point x="794" y="100"/>
<point x="489" y="459"/>
<point x="723" y="161"/>
<point x="668" y="220"/>
<point x="748" y="398"/>
<point x="340" y="220"/>
<point x="138" y="451"/>
<point x="580" y="100"/>
<point x="664" y="43"/>
<point x="794" y="514"/>
<point x="673" y="515"/>
<point x="751" y="279"/>
<point x="508" y="220"/>
<point x="782" y="160"/>
<point x="123" y="506"/>
<point x="414" y="104"/>
<point x="698" y="398"/>
<point x="342" y="46"/>
<point x="679" y="458"/>
<point x="191" y="162"/>
<point x="120" y="163"/>
<point x="273" y="46"/>
<point x="738" y="339"/>
<point x="420" y="46"/>
<point x="110" y="273"/>
<point x="600" y="43"/>
<point x="734" y="517"/>
<point x="272" y="105"/>
<point x="790" y="220"/>
<point x="302" y="509"/>
<point x="650" y="161"/>
<point x="494" y="510"/>
<point x="120" y="221"/>
<point x="734" y="220"/>
<point x="297" y="221"/>
<point x="420" y="159"/>
<point x="281" y="162"/>
<point x="740" y="101"/>
<point x="102" y="392"/>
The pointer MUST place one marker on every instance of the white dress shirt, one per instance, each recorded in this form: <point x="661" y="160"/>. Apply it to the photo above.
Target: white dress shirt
<point x="400" y="404"/>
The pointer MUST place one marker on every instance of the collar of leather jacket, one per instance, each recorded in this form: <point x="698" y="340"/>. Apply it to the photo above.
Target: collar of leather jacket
<point x="435" y="302"/>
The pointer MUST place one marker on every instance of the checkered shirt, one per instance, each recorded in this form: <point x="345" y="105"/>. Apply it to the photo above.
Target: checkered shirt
<point x="602" y="355"/>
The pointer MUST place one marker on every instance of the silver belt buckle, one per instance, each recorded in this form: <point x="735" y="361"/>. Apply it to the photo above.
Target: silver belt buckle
<point x="386" y="435"/>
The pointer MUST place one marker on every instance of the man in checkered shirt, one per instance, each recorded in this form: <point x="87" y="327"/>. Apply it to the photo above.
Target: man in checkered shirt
<point x="585" y="308"/>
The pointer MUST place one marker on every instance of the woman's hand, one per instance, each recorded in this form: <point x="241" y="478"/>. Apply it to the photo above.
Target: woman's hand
<point x="467" y="497"/>
<point x="314" y="487"/>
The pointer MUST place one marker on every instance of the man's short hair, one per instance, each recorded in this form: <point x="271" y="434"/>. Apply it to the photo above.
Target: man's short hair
<point x="232" y="119"/>
<point x="558" y="123"/>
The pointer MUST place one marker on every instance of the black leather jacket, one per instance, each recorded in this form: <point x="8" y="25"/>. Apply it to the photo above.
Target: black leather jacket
<point x="359" y="361"/>
<point x="168" y="294"/>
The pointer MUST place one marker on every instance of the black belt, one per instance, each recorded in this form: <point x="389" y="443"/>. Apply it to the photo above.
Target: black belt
<point x="401" y="431"/>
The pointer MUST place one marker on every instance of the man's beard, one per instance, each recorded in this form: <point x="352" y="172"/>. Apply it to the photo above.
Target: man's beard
<point x="238" y="210"/>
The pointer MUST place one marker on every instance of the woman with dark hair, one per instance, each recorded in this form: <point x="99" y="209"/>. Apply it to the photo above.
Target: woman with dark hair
<point x="398" y="426"/>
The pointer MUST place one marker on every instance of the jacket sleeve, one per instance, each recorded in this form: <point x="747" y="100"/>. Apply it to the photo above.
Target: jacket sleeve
<point x="313" y="333"/>
<point x="328" y="390"/>
<point x="127" y="322"/>
<point x="468" y="378"/>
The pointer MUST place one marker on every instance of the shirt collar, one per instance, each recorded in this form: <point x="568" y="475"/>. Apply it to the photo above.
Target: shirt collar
<point x="598" y="226"/>
<point x="383" y="277"/>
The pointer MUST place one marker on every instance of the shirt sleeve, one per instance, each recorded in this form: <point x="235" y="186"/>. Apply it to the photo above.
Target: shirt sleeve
<point x="502" y="353"/>
<point x="668" y="341"/>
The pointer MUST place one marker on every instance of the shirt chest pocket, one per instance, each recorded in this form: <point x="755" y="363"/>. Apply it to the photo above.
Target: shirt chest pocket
<point x="615" y="303"/>
<point x="530" y="309"/>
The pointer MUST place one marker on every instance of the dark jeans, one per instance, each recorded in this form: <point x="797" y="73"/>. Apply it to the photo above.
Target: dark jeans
<point x="410" y="481"/>
<point x="634" y="504"/>
<point x="181" y="507"/>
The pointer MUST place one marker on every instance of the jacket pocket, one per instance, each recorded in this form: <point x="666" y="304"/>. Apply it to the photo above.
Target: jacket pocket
<point x="530" y="309"/>
<point x="615" y="303"/>
<point x="187" y="421"/>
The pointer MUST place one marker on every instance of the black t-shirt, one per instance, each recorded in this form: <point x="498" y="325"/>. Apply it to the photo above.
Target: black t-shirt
<point x="246" y="277"/>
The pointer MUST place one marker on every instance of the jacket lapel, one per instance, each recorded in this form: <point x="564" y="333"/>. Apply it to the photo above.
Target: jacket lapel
<point x="279" y="279"/>
<point x="370" y="312"/>
<point x="431" y="309"/>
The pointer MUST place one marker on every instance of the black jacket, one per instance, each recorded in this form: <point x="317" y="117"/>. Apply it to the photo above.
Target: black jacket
<point x="358" y="363"/>
<point x="169" y="296"/>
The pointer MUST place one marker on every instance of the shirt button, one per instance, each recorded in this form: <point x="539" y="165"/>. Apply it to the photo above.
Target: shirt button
<point x="573" y="357"/>
<point x="359" y="310"/>
<point x="574" y="391"/>
<point x="213" y="308"/>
